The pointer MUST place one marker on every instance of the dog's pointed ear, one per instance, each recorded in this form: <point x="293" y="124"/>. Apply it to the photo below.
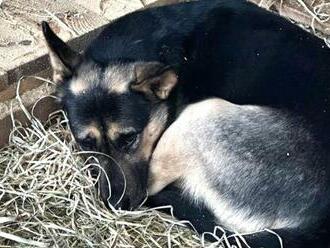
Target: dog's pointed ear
<point x="155" y="80"/>
<point x="62" y="58"/>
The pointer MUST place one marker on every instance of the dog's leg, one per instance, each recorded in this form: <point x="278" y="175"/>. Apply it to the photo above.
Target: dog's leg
<point x="198" y="215"/>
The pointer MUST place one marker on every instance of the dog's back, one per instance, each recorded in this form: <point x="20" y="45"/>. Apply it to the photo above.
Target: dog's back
<point x="155" y="34"/>
<point x="254" y="167"/>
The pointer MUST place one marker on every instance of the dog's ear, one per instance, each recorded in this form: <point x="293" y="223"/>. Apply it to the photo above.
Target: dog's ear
<point x="63" y="59"/>
<point x="155" y="80"/>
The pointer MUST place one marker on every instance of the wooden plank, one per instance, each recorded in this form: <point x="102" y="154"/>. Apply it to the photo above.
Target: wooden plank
<point x="21" y="41"/>
<point x="94" y="6"/>
<point x="40" y="60"/>
<point x="31" y="91"/>
<point x="14" y="44"/>
<point x="112" y="9"/>
<point x="311" y="13"/>
<point x="27" y="84"/>
<point x="42" y="111"/>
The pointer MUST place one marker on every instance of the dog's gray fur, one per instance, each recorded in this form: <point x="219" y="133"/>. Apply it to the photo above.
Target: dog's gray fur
<point x="249" y="164"/>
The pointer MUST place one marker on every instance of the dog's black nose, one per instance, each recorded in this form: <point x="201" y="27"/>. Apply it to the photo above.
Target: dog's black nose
<point x="124" y="204"/>
<point x="94" y="171"/>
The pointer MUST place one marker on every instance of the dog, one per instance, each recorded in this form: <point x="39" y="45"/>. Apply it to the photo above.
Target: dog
<point x="131" y="84"/>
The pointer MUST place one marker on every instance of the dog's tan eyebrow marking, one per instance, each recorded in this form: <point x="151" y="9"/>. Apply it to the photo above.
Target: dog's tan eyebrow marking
<point x="87" y="76"/>
<point x="116" y="81"/>
<point x="91" y="130"/>
<point x="118" y="87"/>
<point x="78" y="86"/>
<point x="113" y="130"/>
<point x="116" y="129"/>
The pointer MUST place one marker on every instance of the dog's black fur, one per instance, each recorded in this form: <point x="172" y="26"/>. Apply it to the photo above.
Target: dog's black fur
<point x="217" y="48"/>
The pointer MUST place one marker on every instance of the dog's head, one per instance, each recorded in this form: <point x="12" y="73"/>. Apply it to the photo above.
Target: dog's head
<point x="120" y="109"/>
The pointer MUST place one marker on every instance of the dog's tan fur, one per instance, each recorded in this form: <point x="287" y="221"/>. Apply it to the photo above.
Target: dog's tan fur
<point x="92" y="130"/>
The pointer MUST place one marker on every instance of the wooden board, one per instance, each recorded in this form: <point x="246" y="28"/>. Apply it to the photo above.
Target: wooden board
<point x="111" y="9"/>
<point x="314" y="14"/>
<point x="21" y="41"/>
<point x="42" y="111"/>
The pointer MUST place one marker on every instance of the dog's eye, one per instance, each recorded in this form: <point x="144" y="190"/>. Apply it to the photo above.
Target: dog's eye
<point x="88" y="142"/>
<point x="128" y="140"/>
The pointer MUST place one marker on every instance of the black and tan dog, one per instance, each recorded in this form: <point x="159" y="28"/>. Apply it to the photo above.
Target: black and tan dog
<point x="253" y="167"/>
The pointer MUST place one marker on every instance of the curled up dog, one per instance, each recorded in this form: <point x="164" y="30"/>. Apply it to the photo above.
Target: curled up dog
<point x="257" y="159"/>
